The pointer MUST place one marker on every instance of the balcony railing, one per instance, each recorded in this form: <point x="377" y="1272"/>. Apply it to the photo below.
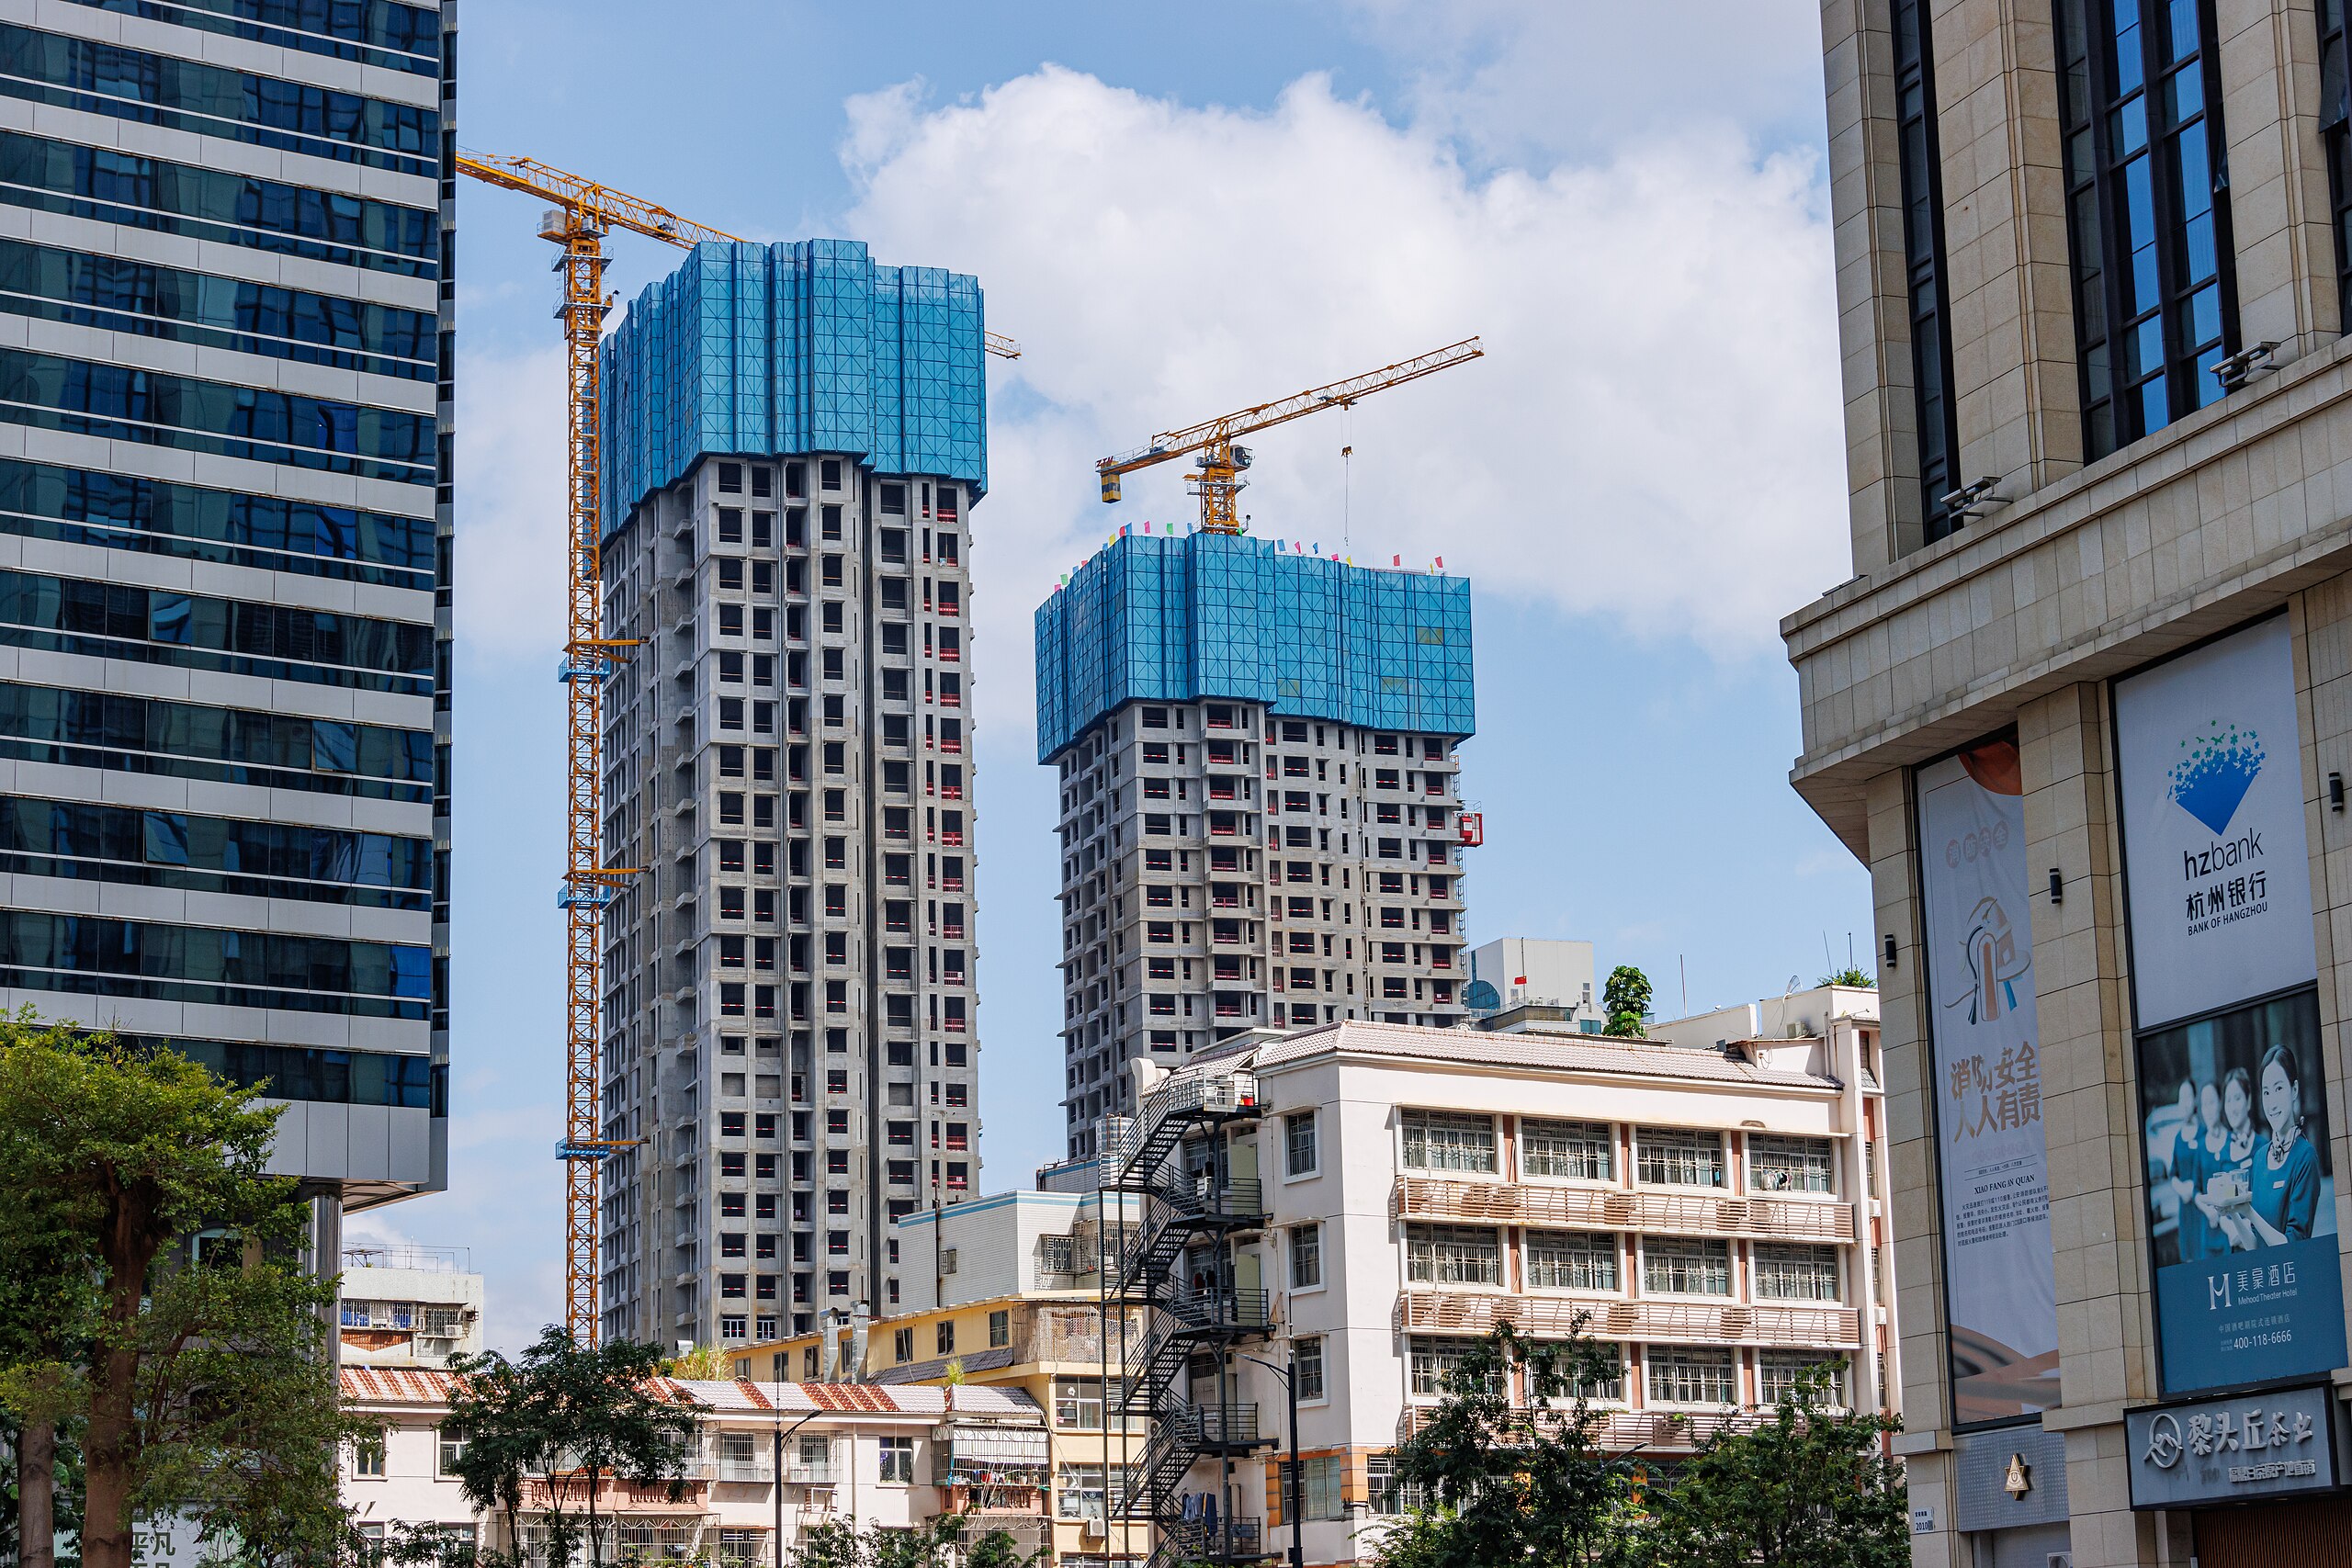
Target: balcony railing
<point x="1652" y="1431"/>
<point x="1639" y="1209"/>
<point x="1664" y="1322"/>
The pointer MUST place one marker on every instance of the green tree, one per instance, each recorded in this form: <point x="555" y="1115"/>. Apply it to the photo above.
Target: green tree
<point x="1810" y="1487"/>
<point x="1509" y="1482"/>
<point x="572" y="1420"/>
<point x="839" y="1543"/>
<point x="1625" y="999"/>
<point x="188" y="1343"/>
<point x="1849" y="975"/>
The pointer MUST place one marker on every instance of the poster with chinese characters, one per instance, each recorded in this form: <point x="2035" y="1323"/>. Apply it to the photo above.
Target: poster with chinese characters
<point x="2241" y="1197"/>
<point x="2240" y="1449"/>
<point x="2216" y="867"/>
<point x="1992" y="1162"/>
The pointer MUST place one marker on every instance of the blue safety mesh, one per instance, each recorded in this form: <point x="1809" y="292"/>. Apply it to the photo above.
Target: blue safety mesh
<point x="811" y="346"/>
<point x="1223" y="616"/>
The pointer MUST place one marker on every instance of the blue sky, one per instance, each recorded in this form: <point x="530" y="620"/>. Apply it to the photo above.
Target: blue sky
<point x="1179" y="211"/>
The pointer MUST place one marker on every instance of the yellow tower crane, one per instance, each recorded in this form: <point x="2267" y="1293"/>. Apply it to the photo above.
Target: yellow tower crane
<point x="1220" y="461"/>
<point x="583" y="214"/>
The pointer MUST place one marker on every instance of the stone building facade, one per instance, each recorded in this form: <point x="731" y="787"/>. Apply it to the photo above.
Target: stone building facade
<point x="2091" y="285"/>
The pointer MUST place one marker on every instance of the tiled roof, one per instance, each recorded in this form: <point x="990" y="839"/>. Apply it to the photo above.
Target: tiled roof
<point x="395" y="1385"/>
<point x="403" y="1386"/>
<point x="1600" y="1054"/>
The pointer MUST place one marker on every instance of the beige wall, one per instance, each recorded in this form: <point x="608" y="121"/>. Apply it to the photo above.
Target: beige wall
<point x="2024" y="616"/>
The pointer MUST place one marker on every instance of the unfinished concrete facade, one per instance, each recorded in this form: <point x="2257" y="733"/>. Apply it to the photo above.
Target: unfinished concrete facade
<point x="2086" y="255"/>
<point x="1227" y="869"/>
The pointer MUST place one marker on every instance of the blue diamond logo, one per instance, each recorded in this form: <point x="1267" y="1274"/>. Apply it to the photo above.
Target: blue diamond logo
<point x="2217" y="767"/>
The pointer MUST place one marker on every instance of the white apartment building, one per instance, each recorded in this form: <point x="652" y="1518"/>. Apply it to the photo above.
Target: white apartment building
<point x="1363" y="1200"/>
<point x="895" y="1456"/>
<point x="407" y="1306"/>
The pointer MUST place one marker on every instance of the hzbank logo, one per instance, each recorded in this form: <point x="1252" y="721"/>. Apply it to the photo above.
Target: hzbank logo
<point x="2219" y="766"/>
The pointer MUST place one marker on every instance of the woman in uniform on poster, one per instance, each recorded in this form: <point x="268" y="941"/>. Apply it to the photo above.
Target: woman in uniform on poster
<point x="2283" y="1177"/>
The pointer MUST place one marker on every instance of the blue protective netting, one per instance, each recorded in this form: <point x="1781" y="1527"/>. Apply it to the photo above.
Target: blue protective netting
<point x="810" y="346"/>
<point x="1224" y="615"/>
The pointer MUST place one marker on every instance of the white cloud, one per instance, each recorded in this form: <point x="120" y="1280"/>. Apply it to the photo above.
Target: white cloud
<point x="1531" y="80"/>
<point x="1653" y="437"/>
<point x="510" y="566"/>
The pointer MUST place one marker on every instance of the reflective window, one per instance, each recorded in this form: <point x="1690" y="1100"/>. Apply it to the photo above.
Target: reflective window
<point x="1937" y="428"/>
<point x="121" y="294"/>
<point x="49" y="391"/>
<point x="211" y="204"/>
<point x="153" y="626"/>
<point x="2148" y="217"/>
<point x="266" y="111"/>
<point x="145" y="735"/>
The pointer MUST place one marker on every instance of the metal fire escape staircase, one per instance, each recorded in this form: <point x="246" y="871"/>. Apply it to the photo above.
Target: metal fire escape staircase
<point x="1175" y="1261"/>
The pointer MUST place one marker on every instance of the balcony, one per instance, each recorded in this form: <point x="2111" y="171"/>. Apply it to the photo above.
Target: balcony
<point x="1660" y="1210"/>
<point x="1653" y="1432"/>
<point x="1652" y="1321"/>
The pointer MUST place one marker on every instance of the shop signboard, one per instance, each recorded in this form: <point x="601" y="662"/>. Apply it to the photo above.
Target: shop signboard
<point x="2218" y="876"/>
<point x="1993" y="1166"/>
<point x="2235" y="1124"/>
<point x="2240" y="1450"/>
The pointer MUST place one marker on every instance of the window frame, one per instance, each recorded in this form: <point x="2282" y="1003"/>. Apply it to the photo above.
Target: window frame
<point x="1292" y="1124"/>
<point x="1426" y="1122"/>
<point x="1310" y="1232"/>
<point x="2114" y="416"/>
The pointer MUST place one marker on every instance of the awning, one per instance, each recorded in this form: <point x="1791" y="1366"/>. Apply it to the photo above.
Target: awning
<point x="997" y="1446"/>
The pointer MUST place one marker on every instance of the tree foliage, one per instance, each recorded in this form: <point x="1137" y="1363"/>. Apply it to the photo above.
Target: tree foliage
<point x="1495" y="1481"/>
<point x="1625" y="999"/>
<point x="942" y="1543"/>
<point x="1809" y="1487"/>
<point x="167" y="1322"/>
<point x="1505" y="1481"/>
<point x="555" y="1429"/>
<point x="1852" y="975"/>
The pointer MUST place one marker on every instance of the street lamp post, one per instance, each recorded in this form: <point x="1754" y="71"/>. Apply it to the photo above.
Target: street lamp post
<point x="1295" y="1494"/>
<point x="782" y="1432"/>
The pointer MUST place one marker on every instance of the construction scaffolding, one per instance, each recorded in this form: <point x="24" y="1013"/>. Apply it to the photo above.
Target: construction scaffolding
<point x="1174" y="618"/>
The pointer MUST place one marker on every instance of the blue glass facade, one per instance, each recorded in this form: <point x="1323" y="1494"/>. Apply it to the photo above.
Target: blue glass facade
<point x="1174" y="619"/>
<point x="810" y="346"/>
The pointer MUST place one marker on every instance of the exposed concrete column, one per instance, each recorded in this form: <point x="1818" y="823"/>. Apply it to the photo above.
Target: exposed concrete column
<point x="1912" y="1199"/>
<point x="2090" y="1116"/>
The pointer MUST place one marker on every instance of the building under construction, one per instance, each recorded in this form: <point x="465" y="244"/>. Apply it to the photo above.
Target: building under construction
<point x="794" y="437"/>
<point x="1260" y="816"/>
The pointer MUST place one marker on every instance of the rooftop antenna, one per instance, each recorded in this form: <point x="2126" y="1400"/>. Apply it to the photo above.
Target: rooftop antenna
<point x="1684" y="970"/>
<point x="1828" y="962"/>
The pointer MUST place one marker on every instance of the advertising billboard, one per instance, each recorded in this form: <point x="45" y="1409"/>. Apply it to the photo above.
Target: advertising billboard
<point x="2241" y="1190"/>
<point x="1999" y="1284"/>
<point x="2219" y="879"/>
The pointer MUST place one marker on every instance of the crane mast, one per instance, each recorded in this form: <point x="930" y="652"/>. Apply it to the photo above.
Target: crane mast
<point x="1220" y="463"/>
<point x="583" y="214"/>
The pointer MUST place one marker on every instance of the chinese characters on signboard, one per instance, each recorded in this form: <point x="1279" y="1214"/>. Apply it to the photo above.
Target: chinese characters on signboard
<point x="1994" y="1168"/>
<point x="2233" y="1091"/>
<point x="2222" y="1449"/>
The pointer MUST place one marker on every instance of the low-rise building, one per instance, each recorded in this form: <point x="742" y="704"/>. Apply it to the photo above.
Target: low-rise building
<point x="1003" y="1292"/>
<point x="407" y="1306"/>
<point x="894" y="1457"/>
<point x="1357" y="1203"/>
